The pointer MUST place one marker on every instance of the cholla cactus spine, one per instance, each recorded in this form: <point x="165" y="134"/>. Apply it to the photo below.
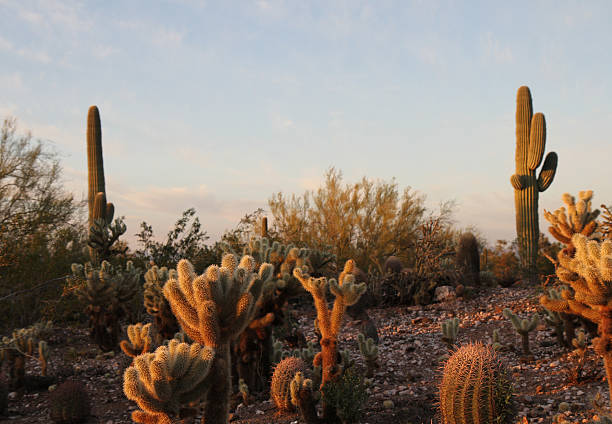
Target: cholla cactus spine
<point x="347" y="293"/>
<point x="163" y="382"/>
<point x="589" y="272"/>
<point x="523" y="327"/>
<point x="577" y="219"/>
<point x="139" y="340"/>
<point x="213" y="309"/>
<point x="450" y="328"/>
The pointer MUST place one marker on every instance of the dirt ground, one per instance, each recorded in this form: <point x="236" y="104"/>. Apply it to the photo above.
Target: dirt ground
<point x="411" y="353"/>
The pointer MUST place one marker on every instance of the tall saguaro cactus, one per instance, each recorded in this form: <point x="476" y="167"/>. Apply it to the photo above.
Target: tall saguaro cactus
<point x="530" y="144"/>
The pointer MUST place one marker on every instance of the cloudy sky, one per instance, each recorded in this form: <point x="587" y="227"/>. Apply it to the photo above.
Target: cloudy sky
<point x="219" y="104"/>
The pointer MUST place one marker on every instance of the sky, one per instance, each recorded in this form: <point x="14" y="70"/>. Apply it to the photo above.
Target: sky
<point x="218" y="105"/>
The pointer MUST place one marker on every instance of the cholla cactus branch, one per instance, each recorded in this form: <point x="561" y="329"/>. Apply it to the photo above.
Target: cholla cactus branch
<point x="589" y="272"/>
<point x="139" y="340"/>
<point x="161" y="383"/>
<point x="578" y="218"/>
<point x="347" y="293"/>
<point x="302" y="397"/>
<point x="213" y="309"/>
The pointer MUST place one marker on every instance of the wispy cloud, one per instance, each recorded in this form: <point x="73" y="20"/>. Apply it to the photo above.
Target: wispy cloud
<point x="493" y="49"/>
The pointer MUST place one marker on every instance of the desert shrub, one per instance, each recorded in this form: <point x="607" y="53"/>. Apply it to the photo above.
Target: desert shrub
<point x="40" y="229"/>
<point x="185" y="240"/>
<point x="347" y="395"/>
<point x="366" y="221"/>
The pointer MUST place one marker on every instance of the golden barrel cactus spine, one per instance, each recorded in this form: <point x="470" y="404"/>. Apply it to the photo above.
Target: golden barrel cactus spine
<point x="530" y="144"/>
<point x="476" y="388"/>
<point x="284" y="373"/>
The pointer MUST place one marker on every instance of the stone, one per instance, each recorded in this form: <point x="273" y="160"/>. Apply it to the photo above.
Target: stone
<point x="445" y="294"/>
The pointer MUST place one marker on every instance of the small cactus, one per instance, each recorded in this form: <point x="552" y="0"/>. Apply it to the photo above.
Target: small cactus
<point x="139" y="342"/>
<point x="450" y="328"/>
<point x="369" y="351"/>
<point x="523" y="327"/>
<point x="244" y="391"/>
<point x="280" y="390"/>
<point x="69" y="403"/>
<point x="476" y="388"/>
<point x="496" y="340"/>
<point x="43" y="356"/>
<point x="166" y="380"/>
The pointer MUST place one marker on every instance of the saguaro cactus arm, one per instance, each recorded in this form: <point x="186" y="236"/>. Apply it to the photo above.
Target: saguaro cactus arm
<point x="530" y="146"/>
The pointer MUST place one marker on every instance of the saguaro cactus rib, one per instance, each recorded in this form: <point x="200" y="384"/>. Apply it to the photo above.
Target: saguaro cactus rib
<point x="530" y="145"/>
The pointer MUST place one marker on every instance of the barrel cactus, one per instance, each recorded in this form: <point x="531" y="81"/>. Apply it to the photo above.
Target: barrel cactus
<point x="69" y="403"/>
<point x="476" y="388"/>
<point x="281" y="381"/>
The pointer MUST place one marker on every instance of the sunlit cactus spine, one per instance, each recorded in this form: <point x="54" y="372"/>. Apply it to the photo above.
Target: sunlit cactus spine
<point x="156" y="304"/>
<point x="347" y="292"/>
<point x="589" y="272"/>
<point x="578" y="218"/>
<point x="213" y="309"/>
<point x="139" y="340"/>
<point x="450" y="328"/>
<point x="369" y="351"/>
<point x="476" y="388"/>
<point x="530" y="145"/>
<point x="523" y="327"/>
<point x="166" y="382"/>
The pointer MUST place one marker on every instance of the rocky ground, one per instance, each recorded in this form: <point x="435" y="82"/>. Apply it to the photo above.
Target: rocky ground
<point x="411" y="353"/>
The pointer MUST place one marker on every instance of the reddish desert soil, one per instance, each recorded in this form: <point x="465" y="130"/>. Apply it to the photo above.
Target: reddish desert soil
<point x="409" y="354"/>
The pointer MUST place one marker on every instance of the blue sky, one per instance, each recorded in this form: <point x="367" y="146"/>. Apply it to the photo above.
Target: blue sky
<point x="219" y="104"/>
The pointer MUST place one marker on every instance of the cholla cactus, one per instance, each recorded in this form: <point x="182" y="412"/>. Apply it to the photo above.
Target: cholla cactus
<point x="302" y="396"/>
<point x="589" y="273"/>
<point x="605" y="227"/>
<point x="103" y="232"/>
<point x="496" y="345"/>
<point x="577" y="219"/>
<point x="106" y="291"/>
<point x="347" y="293"/>
<point x="450" y="328"/>
<point x="369" y="351"/>
<point x="43" y="357"/>
<point x="213" y="309"/>
<point x="140" y="341"/>
<point x="523" y="327"/>
<point x="554" y="319"/>
<point x="156" y="304"/>
<point x="164" y="382"/>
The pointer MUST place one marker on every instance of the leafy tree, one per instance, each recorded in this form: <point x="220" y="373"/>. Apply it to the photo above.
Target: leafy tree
<point x="185" y="241"/>
<point x="40" y="231"/>
<point x="367" y="221"/>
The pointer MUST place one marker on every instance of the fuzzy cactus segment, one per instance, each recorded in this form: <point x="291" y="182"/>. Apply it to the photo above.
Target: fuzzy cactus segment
<point x="523" y="327"/>
<point x="347" y="293"/>
<point x="588" y="271"/>
<point x="139" y="342"/>
<point x="213" y="309"/>
<point x="573" y="218"/>
<point x="162" y="383"/>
